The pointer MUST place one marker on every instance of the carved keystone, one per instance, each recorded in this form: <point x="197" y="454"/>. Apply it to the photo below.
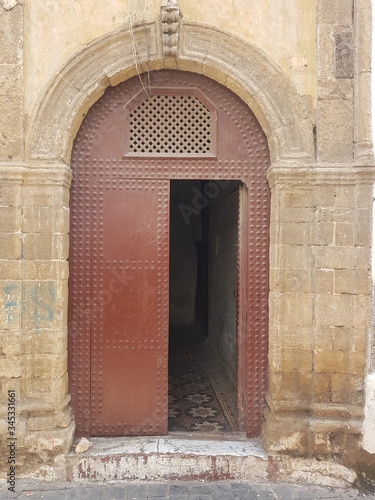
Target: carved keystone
<point x="170" y="16"/>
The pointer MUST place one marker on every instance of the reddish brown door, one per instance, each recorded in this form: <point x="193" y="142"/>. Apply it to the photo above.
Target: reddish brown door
<point x="124" y="356"/>
<point x="128" y="148"/>
<point x="129" y="336"/>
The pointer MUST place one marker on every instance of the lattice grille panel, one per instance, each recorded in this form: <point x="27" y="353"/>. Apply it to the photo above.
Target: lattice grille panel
<point x="170" y="124"/>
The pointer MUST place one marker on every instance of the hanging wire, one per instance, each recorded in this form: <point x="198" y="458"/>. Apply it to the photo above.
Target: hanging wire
<point x="136" y="57"/>
<point x="147" y="46"/>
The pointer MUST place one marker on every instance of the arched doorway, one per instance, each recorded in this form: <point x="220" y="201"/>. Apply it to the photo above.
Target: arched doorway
<point x="129" y="149"/>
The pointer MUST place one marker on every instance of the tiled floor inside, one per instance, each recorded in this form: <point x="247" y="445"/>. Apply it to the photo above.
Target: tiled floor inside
<point x="201" y="398"/>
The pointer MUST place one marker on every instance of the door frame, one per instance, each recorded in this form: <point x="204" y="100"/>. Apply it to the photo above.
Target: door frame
<point x="242" y="307"/>
<point x="249" y="168"/>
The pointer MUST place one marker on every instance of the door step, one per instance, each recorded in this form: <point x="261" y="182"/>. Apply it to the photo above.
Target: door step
<point x="176" y="458"/>
<point x="168" y="458"/>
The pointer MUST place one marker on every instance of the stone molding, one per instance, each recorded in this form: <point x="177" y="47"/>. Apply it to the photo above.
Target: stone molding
<point x="12" y="172"/>
<point x="344" y="413"/>
<point x="238" y="65"/>
<point x="50" y="175"/>
<point x="314" y="174"/>
<point x="38" y="407"/>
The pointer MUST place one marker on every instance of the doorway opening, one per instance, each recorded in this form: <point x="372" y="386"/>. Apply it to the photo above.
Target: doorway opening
<point x="203" y="291"/>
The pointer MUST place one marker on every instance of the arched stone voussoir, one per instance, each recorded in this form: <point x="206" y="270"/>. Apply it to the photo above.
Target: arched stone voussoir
<point x="104" y="62"/>
<point x="261" y="83"/>
<point x="109" y="60"/>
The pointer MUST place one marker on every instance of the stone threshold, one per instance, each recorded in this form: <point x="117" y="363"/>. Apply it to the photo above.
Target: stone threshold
<point x="191" y="457"/>
<point x="180" y="444"/>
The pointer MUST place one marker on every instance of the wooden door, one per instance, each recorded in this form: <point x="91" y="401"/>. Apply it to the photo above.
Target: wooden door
<point x="128" y="265"/>
<point x="130" y="144"/>
<point x="129" y="338"/>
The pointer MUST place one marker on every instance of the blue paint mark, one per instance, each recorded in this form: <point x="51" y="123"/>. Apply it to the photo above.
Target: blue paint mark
<point x="43" y="297"/>
<point x="49" y="310"/>
<point x="11" y="303"/>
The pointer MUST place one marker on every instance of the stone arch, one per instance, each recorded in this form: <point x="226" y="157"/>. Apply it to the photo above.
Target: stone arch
<point x="107" y="61"/>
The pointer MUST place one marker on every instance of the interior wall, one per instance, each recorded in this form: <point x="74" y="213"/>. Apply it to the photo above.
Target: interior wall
<point x="184" y="232"/>
<point x="223" y="237"/>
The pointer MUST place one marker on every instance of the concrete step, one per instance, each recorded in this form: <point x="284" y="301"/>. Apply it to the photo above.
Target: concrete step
<point x="190" y="458"/>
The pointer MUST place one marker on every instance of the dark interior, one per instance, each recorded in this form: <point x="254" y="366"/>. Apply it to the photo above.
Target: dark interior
<point x="203" y="305"/>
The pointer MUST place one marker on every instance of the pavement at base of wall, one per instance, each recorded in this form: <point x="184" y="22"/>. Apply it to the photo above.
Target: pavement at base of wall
<point x="223" y="490"/>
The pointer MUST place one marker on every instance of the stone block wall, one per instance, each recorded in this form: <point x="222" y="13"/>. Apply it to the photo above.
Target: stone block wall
<point x="335" y="109"/>
<point x="33" y="312"/>
<point x="320" y="303"/>
<point x="11" y="84"/>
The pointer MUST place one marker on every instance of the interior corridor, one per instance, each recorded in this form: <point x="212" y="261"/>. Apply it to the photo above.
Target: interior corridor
<point x="203" y="307"/>
<point x="201" y="397"/>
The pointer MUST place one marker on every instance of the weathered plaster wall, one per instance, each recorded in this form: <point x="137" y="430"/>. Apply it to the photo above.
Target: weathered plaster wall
<point x="222" y="319"/>
<point x="183" y="254"/>
<point x="47" y="47"/>
<point x="292" y="24"/>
